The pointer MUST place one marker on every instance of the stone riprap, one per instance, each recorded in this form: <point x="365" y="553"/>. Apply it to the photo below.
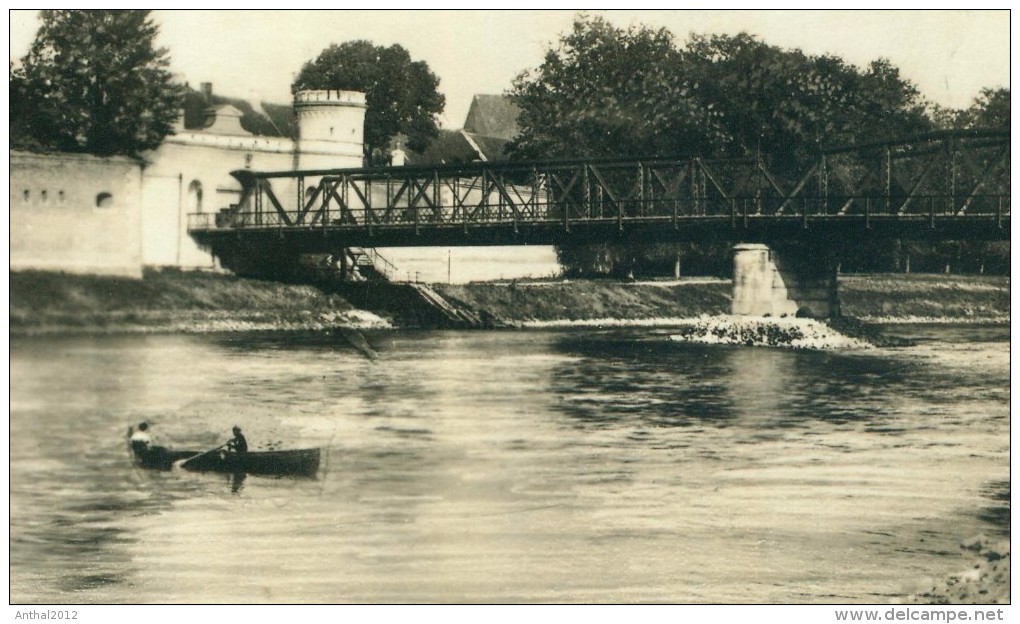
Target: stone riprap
<point x="793" y="333"/>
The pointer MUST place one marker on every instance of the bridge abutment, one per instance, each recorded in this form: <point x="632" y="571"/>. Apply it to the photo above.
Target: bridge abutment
<point x="261" y="258"/>
<point x="767" y="282"/>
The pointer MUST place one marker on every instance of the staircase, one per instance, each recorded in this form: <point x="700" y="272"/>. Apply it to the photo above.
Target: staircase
<point x="369" y="263"/>
<point x="375" y="284"/>
<point x="452" y="316"/>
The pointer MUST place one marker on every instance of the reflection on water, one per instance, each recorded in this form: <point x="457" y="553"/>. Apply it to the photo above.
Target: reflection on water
<point x="506" y="466"/>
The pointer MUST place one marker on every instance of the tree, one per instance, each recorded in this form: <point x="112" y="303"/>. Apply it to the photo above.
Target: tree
<point x="402" y="95"/>
<point x="93" y="81"/>
<point x="784" y="105"/>
<point x="989" y="110"/>
<point x="603" y="91"/>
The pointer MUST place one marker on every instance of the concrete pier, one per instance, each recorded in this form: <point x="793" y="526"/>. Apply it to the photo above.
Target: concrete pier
<point x="766" y="285"/>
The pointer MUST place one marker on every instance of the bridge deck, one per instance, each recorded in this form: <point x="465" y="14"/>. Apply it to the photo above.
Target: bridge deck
<point x="950" y="185"/>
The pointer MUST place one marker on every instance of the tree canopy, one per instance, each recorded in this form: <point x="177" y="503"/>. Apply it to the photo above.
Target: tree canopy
<point x="402" y="95"/>
<point x="93" y="81"/>
<point x="989" y="110"/>
<point x="610" y="92"/>
<point x="607" y="91"/>
<point x="604" y="91"/>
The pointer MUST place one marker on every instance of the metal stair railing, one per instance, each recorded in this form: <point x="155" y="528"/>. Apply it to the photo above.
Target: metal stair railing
<point x="375" y="261"/>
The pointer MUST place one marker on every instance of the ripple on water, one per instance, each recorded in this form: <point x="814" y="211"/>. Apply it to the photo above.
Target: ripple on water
<point x="551" y="466"/>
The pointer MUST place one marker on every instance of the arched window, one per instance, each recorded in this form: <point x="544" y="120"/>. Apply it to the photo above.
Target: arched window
<point x="60" y="196"/>
<point x="26" y="195"/>
<point x="195" y="197"/>
<point x="104" y="200"/>
<point x="43" y="196"/>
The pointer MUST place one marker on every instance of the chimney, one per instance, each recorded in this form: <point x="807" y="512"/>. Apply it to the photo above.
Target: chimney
<point x="206" y="90"/>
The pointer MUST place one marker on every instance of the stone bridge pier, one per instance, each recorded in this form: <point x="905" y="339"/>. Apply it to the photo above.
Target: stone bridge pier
<point x="784" y="282"/>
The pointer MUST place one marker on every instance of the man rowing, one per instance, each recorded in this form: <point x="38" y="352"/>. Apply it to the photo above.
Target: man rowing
<point x="238" y="444"/>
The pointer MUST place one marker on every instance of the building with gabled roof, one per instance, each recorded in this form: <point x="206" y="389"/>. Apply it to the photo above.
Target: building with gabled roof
<point x="490" y="125"/>
<point x="493" y="116"/>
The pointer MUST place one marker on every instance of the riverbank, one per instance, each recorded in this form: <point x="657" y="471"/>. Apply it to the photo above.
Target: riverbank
<point x="925" y="298"/>
<point x="884" y="298"/>
<point x="192" y="302"/>
<point x="172" y="302"/>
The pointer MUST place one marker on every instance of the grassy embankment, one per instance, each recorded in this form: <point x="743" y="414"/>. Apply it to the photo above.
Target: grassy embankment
<point x="586" y="300"/>
<point x="885" y="297"/>
<point x="173" y="301"/>
<point x="925" y="297"/>
<point x="170" y="301"/>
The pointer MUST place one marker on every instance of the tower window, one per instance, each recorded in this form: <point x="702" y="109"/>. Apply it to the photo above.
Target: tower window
<point x="26" y="195"/>
<point x="104" y="200"/>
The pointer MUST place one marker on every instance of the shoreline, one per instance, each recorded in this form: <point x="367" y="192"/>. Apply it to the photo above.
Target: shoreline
<point x="110" y="326"/>
<point x="210" y="324"/>
<point x="178" y="302"/>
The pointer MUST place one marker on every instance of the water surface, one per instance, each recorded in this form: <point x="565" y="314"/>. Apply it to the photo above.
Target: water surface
<point x="539" y="466"/>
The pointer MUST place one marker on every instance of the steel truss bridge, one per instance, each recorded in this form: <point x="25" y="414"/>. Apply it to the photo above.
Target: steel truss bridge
<point x="952" y="185"/>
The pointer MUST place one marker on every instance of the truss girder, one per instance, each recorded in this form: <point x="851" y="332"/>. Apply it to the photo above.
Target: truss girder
<point x="961" y="174"/>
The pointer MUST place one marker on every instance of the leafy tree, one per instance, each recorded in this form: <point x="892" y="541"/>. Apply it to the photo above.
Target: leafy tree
<point x="989" y="110"/>
<point x="603" y="91"/>
<point x="402" y="95"/>
<point x="784" y="104"/>
<point x="93" y="81"/>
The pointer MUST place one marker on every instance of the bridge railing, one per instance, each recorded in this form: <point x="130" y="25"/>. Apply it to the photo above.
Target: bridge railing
<point x="652" y="210"/>
<point x="958" y="174"/>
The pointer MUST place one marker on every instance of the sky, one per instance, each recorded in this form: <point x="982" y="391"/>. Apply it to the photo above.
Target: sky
<point x="949" y="55"/>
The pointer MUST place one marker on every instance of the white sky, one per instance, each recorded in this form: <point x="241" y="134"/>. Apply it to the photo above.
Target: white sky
<point x="949" y="55"/>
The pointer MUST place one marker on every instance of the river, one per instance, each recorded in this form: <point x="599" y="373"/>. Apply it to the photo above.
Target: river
<point x="507" y="466"/>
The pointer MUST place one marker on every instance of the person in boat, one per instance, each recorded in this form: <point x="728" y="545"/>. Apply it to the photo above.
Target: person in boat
<point x="141" y="440"/>
<point x="238" y="444"/>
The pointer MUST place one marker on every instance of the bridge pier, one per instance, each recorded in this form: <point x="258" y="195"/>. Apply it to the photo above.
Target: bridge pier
<point x="767" y="282"/>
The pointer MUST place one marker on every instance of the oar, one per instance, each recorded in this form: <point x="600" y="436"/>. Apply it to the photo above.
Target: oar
<point x="181" y="462"/>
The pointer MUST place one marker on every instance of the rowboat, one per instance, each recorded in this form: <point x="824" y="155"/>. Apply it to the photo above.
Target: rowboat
<point x="299" y="462"/>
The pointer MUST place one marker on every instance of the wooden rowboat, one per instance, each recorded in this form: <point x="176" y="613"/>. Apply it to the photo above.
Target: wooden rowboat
<point x="300" y="462"/>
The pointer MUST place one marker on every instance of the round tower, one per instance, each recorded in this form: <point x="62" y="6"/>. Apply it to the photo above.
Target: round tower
<point x="331" y="129"/>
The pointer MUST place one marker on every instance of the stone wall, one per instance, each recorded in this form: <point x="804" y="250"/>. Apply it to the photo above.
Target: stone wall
<point x="189" y="174"/>
<point x="80" y="213"/>
<point x="75" y="213"/>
